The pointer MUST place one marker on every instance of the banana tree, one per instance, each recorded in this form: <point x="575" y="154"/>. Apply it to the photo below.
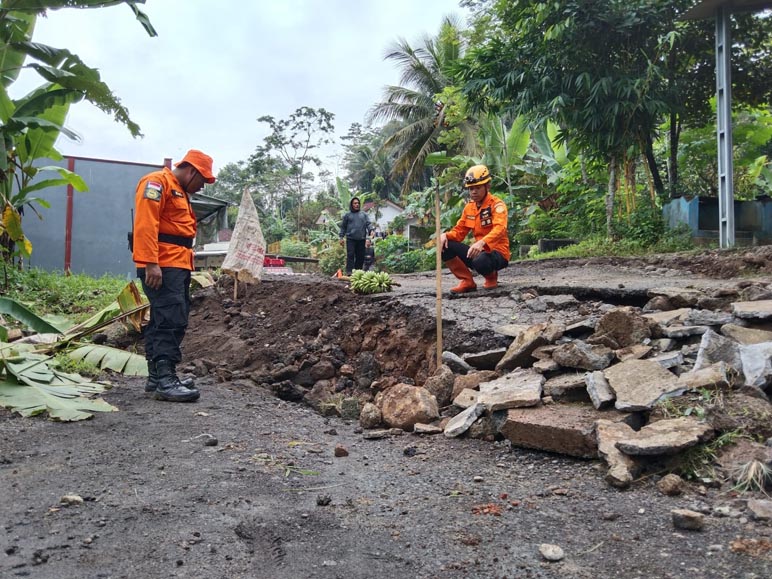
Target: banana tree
<point x="30" y="125"/>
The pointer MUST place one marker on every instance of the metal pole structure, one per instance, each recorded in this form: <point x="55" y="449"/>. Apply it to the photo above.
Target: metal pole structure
<point x="724" y="126"/>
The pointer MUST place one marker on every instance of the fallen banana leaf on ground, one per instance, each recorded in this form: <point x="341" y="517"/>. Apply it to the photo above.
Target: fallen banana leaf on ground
<point x="109" y="358"/>
<point x="128" y="302"/>
<point x="20" y="313"/>
<point x="30" y="384"/>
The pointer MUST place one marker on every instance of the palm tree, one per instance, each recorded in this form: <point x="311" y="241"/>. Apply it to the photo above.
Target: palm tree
<point x="425" y="74"/>
<point x="369" y="165"/>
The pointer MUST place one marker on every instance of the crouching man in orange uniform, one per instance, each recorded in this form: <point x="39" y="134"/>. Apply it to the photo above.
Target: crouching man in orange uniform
<point x="486" y="217"/>
<point x="164" y="229"/>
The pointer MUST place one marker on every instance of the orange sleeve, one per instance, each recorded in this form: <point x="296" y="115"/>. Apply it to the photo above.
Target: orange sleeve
<point x="149" y="200"/>
<point x="460" y="230"/>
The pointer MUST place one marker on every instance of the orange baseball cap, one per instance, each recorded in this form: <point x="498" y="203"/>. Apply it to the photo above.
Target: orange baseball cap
<point x="201" y="161"/>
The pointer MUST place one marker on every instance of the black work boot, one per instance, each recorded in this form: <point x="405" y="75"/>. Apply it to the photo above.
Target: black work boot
<point x="152" y="378"/>
<point x="169" y="387"/>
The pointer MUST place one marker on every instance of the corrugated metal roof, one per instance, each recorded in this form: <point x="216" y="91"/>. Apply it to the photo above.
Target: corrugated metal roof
<point x="707" y="8"/>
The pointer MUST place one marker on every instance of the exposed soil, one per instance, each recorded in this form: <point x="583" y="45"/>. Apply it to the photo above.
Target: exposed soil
<point x="247" y="481"/>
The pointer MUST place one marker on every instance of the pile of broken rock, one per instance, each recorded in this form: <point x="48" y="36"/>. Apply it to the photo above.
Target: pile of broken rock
<point x="609" y="386"/>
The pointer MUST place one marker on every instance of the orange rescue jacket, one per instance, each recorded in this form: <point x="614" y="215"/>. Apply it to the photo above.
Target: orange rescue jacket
<point x="487" y="222"/>
<point x="162" y="206"/>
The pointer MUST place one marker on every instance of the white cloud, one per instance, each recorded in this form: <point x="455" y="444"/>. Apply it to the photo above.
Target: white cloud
<point x="217" y="66"/>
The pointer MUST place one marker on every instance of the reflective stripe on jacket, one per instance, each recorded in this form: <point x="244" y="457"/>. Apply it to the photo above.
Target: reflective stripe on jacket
<point x="162" y="206"/>
<point x="487" y="222"/>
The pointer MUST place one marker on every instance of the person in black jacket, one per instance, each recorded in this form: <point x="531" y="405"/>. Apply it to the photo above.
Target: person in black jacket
<point x="354" y="229"/>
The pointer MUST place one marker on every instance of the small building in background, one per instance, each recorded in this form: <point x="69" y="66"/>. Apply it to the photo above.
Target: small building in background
<point x="87" y="232"/>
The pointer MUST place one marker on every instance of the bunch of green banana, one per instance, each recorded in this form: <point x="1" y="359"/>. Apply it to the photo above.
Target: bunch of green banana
<point x="370" y="282"/>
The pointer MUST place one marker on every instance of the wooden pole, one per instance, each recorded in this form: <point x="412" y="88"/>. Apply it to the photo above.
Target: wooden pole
<point x="235" y="286"/>
<point x="438" y="263"/>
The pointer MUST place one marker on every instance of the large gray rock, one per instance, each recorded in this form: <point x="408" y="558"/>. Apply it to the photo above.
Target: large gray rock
<point x="466" y="398"/>
<point x="716" y="348"/>
<point x="708" y="318"/>
<point x="713" y="376"/>
<point x="746" y="336"/>
<point x="683" y="331"/>
<point x="638" y="384"/>
<point x="456" y="363"/>
<point x="581" y="355"/>
<point x="563" y="428"/>
<point x="622" y="468"/>
<point x="514" y="390"/>
<point x="667" y="317"/>
<point x="759" y="310"/>
<point x="679" y="297"/>
<point x="666" y="437"/>
<point x="601" y="394"/>
<point x="567" y="388"/>
<point x="461" y="422"/>
<point x="472" y="381"/>
<point x="519" y="352"/>
<point x="486" y="360"/>
<point x="757" y="364"/>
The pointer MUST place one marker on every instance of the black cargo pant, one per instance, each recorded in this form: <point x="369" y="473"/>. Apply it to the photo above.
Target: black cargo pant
<point x="169" y="310"/>
<point x="355" y="254"/>
<point x="484" y="264"/>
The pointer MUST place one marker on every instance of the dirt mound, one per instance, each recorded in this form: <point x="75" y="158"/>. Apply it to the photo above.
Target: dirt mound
<point x="306" y="328"/>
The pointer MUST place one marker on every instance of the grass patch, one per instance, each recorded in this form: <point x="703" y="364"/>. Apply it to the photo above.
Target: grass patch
<point x="752" y="476"/>
<point x="76" y="296"/>
<point x="603" y="247"/>
<point x="697" y="462"/>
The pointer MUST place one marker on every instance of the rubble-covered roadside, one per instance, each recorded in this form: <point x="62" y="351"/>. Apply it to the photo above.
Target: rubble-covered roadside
<point x="243" y="484"/>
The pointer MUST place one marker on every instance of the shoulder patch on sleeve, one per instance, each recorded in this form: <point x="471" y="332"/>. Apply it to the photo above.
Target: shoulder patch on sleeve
<point x="153" y="191"/>
<point x="501" y="208"/>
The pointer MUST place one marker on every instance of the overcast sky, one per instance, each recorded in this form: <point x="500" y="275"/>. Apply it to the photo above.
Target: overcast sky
<point x="218" y="65"/>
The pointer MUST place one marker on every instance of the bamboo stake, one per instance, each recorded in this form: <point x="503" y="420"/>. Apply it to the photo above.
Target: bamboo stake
<point x="235" y="286"/>
<point x="438" y="263"/>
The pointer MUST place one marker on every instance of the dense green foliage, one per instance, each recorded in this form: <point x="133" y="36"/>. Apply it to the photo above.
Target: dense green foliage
<point x="77" y="296"/>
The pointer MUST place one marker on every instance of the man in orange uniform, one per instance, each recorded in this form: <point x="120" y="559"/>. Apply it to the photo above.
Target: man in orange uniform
<point x="486" y="217"/>
<point x="164" y="229"/>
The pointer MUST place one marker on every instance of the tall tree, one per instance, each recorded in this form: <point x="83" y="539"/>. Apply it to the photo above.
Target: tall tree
<point x="425" y="71"/>
<point x="288" y="154"/>
<point x="368" y="164"/>
<point x="608" y="71"/>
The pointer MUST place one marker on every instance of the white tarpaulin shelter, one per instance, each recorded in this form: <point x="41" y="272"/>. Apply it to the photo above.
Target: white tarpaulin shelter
<point x="246" y="252"/>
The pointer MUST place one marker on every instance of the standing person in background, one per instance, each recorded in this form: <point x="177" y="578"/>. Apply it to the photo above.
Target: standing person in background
<point x="354" y="229"/>
<point x="164" y="229"/>
<point x="369" y="255"/>
<point x="486" y="217"/>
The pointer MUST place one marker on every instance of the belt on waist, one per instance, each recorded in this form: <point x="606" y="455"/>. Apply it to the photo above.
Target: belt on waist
<point x="176" y="240"/>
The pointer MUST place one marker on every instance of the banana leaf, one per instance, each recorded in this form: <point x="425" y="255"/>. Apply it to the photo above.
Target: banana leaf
<point x="109" y="358"/>
<point x="27" y="317"/>
<point x="129" y="299"/>
<point x="31" y="385"/>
